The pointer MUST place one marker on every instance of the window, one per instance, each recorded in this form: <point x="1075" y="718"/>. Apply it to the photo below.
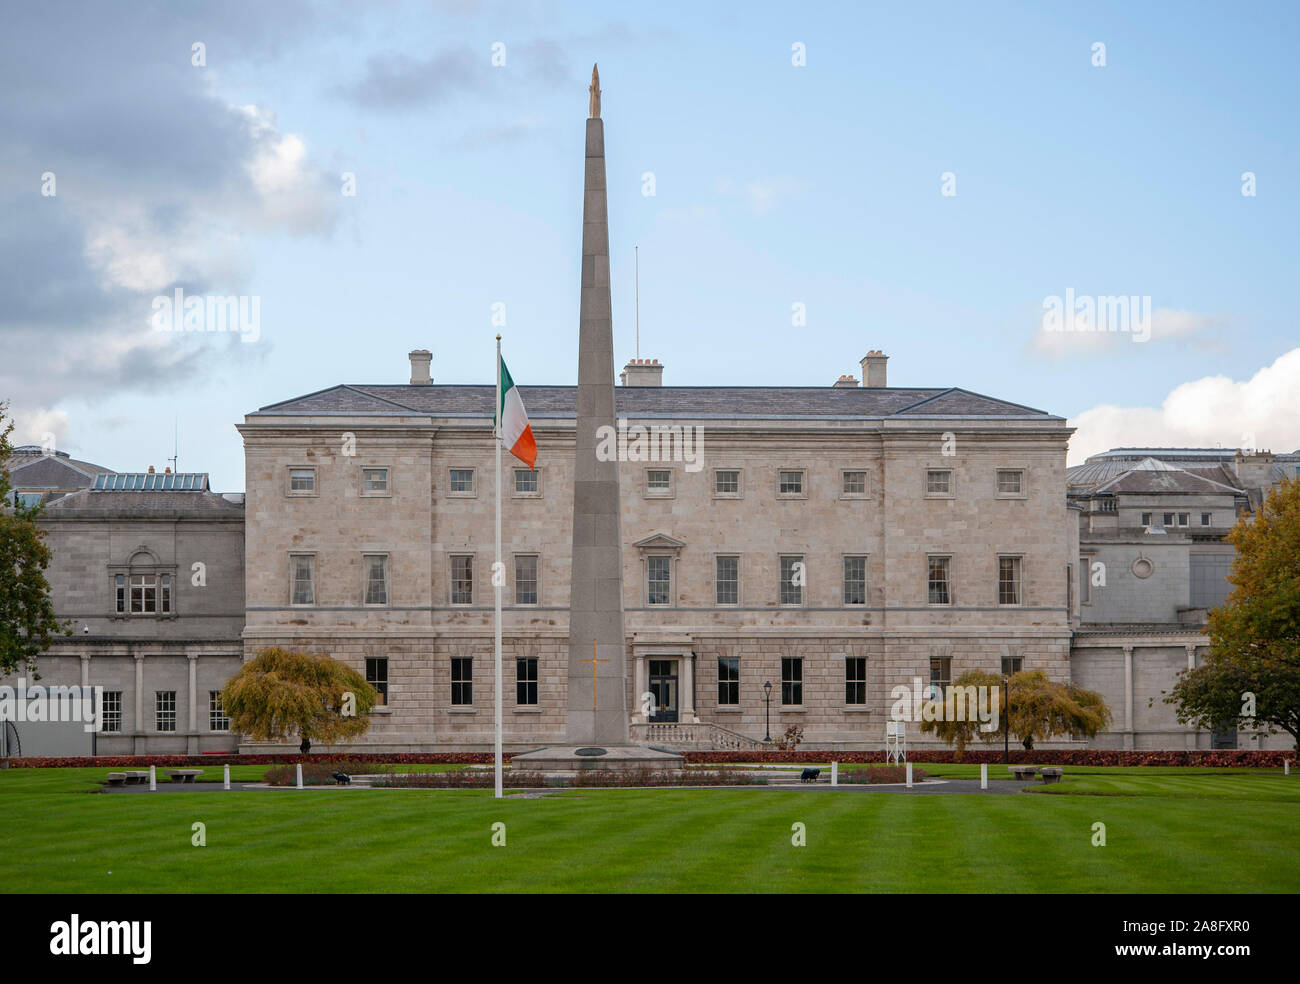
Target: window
<point x="525" y="579"/>
<point x="855" y="483"/>
<point x="111" y="719"/>
<point x="658" y="481"/>
<point x="1146" y="519"/>
<point x="793" y="578"/>
<point x="1168" y="519"/>
<point x="377" y="676"/>
<point x="855" y="580"/>
<point x="790" y="483"/>
<point x="659" y="581"/>
<point x="938" y="482"/>
<point x="525" y="481"/>
<point x="462" y="681"/>
<point x="792" y="680"/>
<point x="1009" y="481"/>
<point x="526" y="681"/>
<point x="726" y="481"/>
<point x="729" y="681"/>
<point x="302" y="576"/>
<point x="302" y="481"/>
<point x="119" y="582"/>
<point x="1011" y="665"/>
<point x="150" y="594"/>
<point x="217" y="720"/>
<point x="1205" y="519"/>
<point x="940" y="580"/>
<point x="727" y="581"/>
<point x="462" y="481"/>
<point x="374" y="481"/>
<point x="462" y="580"/>
<point x="376" y="566"/>
<point x="1184" y="519"/>
<point x="1008" y="580"/>
<point x="855" y="680"/>
<point x="164" y="710"/>
<point x="1085" y="580"/>
<point x="940" y="673"/>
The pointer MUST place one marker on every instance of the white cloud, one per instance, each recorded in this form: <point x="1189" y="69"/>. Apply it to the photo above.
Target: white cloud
<point x="761" y="195"/>
<point x="1207" y="412"/>
<point x="1087" y="338"/>
<point x="36" y="427"/>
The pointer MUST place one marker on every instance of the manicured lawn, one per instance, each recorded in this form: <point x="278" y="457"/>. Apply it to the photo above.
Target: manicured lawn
<point x="1165" y="833"/>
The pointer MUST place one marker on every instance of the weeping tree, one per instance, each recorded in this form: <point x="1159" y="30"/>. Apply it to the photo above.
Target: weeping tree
<point x="280" y="693"/>
<point x="1039" y="709"/>
<point x="1250" y="677"/>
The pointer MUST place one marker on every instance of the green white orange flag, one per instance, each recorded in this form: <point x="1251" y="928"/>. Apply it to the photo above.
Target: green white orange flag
<point x="516" y="434"/>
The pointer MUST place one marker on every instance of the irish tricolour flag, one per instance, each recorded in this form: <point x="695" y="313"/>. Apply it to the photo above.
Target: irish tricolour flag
<point x="516" y="435"/>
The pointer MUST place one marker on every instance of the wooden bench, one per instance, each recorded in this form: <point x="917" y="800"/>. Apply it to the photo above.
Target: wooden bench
<point x="1052" y="774"/>
<point x="1023" y="772"/>
<point x="184" y="775"/>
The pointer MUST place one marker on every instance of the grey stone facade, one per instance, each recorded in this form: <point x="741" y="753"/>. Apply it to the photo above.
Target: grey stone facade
<point x="162" y="666"/>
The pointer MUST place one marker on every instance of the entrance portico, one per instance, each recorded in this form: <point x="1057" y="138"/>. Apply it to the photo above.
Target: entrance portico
<point x="663" y="682"/>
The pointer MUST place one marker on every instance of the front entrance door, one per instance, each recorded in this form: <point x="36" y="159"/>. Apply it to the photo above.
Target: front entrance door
<point x="663" y="686"/>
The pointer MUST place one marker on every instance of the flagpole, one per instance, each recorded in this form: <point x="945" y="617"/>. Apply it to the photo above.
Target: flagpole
<point x="498" y="571"/>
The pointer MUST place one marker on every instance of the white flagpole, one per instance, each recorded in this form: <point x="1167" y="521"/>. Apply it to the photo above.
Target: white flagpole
<point x="496" y="577"/>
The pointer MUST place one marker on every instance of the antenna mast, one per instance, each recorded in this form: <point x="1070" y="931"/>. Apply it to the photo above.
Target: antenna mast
<point x="636" y="255"/>
<point x="176" y="430"/>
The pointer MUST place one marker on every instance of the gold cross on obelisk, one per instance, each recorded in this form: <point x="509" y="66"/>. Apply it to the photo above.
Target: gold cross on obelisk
<point x="593" y="661"/>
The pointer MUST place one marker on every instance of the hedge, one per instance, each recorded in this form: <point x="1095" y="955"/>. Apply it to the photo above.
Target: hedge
<point x="1095" y="756"/>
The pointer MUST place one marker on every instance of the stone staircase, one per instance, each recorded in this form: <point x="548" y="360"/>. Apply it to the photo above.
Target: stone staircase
<point x="693" y="737"/>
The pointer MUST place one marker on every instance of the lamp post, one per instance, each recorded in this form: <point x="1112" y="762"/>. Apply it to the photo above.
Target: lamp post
<point x="767" y="699"/>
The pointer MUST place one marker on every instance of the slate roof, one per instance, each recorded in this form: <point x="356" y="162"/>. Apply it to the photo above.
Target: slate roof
<point x="91" y="504"/>
<point x="1150" y="476"/>
<point x="716" y="402"/>
<point x="56" y="471"/>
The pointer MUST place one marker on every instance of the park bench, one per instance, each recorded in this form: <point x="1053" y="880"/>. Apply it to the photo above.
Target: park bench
<point x="184" y="775"/>
<point x="1052" y="774"/>
<point x="129" y="778"/>
<point x="1024" y="772"/>
<point x="116" y="778"/>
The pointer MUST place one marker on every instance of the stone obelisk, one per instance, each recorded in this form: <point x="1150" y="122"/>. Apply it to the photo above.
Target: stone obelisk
<point x="597" y="704"/>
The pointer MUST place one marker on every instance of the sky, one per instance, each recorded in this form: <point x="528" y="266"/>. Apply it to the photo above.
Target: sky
<point x="801" y="183"/>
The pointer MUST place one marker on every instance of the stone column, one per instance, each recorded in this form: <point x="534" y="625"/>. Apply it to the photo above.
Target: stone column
<point x="641" y="683"/>
<point x="1129" y="741"/>
<point x="1191" y="665"/>
<point x="138" y="741"/>
<point x="192" y="741"/>
<point x="686" y="698"/>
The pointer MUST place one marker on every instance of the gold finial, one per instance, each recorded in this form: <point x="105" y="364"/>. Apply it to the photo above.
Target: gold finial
<point x="594" y="89"/>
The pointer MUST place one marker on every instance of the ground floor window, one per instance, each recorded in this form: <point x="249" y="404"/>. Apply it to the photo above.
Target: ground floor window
<point x="217" y="720"/>
<point x="729" y="681"/>
<point x="112" y="712"/>
<point x="526" y="681"/>
<point x="462" y="680"/>
<point x="377" y="676"/>
<point x="164" y="710"/>
<point x="792" y="680"/>
<point x="855" y="680"/>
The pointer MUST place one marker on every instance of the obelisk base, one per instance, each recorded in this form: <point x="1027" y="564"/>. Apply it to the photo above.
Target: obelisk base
<point x="583" y="758"/>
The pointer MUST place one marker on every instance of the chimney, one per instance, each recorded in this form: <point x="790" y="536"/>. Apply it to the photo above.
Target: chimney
<point x="873" y="369"/>
<point x="420" y="360"/>
<point x="845" y="381"/>
<point x="642" y="372"/>
<point x="151" y="469"/>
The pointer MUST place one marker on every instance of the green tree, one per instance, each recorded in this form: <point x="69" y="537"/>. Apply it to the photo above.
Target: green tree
<point x="1039" y="709"/>
<point x="1250" y="677"/>
<point x="279" y="693"/>
<point x="27" y="619"/>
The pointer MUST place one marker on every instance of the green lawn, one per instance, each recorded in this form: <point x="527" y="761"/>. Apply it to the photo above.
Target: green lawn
<point x="1168" y="832"/>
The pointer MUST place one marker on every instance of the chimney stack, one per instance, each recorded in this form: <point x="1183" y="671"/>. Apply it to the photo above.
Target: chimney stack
<point x="642" y="372"/>
<point x="420" y="360"/>
<point x="873" y="369"/>
<point x="845" y="381"/>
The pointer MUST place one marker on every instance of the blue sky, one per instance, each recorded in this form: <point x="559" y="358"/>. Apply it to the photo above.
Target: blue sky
<point x="774" y="184"/>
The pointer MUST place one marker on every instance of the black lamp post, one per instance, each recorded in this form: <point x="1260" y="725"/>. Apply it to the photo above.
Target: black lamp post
<point x="767" y="698"/>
